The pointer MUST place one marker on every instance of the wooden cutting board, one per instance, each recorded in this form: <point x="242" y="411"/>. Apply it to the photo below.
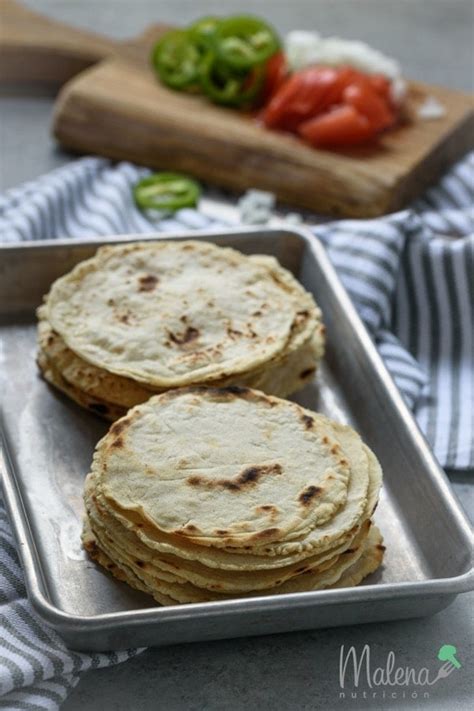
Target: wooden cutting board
<point x="113" y="105"/>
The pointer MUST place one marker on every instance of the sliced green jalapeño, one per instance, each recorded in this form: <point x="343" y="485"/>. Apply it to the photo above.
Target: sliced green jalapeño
<point x="166" y="191"/>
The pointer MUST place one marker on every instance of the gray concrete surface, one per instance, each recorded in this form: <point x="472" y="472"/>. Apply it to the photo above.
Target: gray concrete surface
<point x="292" y="672"/>
<point x="434" y="41"/>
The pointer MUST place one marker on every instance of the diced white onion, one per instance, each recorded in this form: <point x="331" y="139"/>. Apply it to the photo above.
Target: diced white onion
<point x="398" y="90"/>
<point x="304" y="49"/>
<point x="256" y="207"/>
<point x="431" y="109"/>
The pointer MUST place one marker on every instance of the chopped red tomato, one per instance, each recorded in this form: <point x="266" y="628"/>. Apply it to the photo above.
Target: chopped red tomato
<point x="301" y="96"/>
<point x="364" y="98"/>
<point x="275" y="74"/>
<point x="330" y="106"/>
<point x="381" y="84"/>
<point x="341" y="127"/>
<point x="345" y="77"/>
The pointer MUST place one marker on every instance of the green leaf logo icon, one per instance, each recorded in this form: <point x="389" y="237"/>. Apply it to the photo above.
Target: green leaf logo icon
<point x="447" y="653"/>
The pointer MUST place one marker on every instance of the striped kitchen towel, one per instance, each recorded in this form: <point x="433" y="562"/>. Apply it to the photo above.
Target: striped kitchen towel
<point x="36" y="668"/>
<point x="410" y="275"/>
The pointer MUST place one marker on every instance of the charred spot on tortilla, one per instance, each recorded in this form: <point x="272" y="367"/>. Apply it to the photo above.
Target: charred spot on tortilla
<point x="307" y="421"/>
<point x="147" y="282"/>
<point x="308" y="494"/>
<point x="118" y="442"/>
<point x="247" y="478"/>
<point x="182" y="339"/>
<point x="119" y="426"/>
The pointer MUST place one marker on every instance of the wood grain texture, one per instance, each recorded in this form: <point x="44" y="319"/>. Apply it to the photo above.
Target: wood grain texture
<point x="118" y="109"/>
<point x="115" y="107"/>
<point x="37" y="50"/>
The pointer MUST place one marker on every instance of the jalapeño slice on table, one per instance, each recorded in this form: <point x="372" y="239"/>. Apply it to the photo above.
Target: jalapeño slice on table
<point x="166" y="191"/>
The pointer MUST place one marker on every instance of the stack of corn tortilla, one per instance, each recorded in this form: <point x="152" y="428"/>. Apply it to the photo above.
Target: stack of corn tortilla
<point x="205" y="494"/>
<point x="143" y="318"/>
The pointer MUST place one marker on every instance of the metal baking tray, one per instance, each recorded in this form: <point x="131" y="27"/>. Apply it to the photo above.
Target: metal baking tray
<point x="48" y="444"/>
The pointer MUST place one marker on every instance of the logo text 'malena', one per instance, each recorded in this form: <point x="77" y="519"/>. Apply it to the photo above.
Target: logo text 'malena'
<point x="356" y="671"/>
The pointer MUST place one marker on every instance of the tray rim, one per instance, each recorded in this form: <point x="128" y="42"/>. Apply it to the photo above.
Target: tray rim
<point x="59" y="618"/>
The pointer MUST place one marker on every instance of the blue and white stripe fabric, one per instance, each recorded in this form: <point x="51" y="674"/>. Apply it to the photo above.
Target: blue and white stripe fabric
<point x="413" y="286"/>
<point x="410" y="276"/>
<point x="36" y="668"/>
